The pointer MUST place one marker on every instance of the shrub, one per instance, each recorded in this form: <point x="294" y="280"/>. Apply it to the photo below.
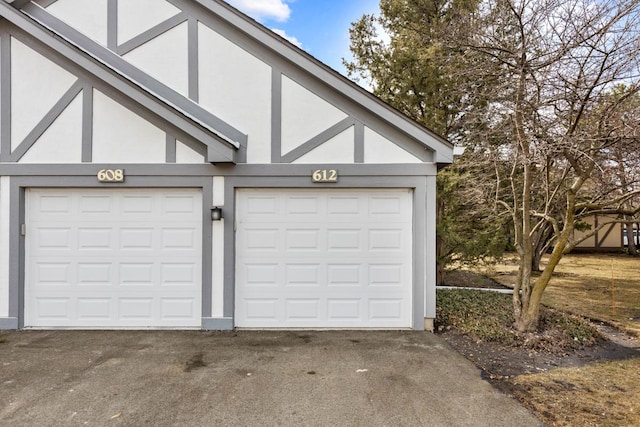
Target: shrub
<point x="488" y="316"/>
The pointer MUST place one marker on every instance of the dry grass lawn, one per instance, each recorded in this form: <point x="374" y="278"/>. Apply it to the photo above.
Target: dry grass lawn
<point x="604" y="394"/>
<point x="603" y="287"/>
<point x="582" y="284"/>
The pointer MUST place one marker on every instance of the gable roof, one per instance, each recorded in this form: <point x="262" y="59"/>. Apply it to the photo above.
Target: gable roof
<point x="220" y="148"/>
<point x="218" y="129"/>
<point x="443" y="149"/>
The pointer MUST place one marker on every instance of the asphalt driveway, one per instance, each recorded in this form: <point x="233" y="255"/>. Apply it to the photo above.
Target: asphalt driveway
<point x="188" y="378"/>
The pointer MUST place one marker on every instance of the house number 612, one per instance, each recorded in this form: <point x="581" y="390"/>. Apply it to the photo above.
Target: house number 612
<point x="111" y="175"/>
<point x="325" y="175"/>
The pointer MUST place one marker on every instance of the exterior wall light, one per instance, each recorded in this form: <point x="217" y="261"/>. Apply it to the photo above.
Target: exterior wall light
<point x="216" y="213"/>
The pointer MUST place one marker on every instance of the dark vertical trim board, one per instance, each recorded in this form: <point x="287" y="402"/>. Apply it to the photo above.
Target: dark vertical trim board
<point x="207" y="250"/>
<point x="171" y="149"/>
<point x="112" y="25"/>
<point x="87" y="124"/>
<point x="358" y="155"/>
<point x="229" y="279"/>
<point x="5" y="96"/>
<point x="276" y="115"/>
<point x="194" y="70"/>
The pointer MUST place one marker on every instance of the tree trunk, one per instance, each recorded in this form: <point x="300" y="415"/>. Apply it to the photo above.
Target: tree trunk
<point x="440" y="274"/>
<point x="632" y="248"/>
<point x="528" y="317"/>
<point x="540" y="247"/>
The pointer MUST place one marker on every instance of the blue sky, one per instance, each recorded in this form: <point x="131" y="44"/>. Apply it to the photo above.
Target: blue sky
<point x="320" y="27"/>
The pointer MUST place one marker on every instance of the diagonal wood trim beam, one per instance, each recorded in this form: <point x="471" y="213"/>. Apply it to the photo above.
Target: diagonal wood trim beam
<point x="318" y="140"/>
<point x="46" y="121"/>
<point x="151" y="33"/>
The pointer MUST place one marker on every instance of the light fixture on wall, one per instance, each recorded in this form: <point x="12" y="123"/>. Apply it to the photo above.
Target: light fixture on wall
<point x="216" y="213"/>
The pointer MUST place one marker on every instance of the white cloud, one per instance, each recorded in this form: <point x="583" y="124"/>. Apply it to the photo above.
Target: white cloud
<point x="283" y="34"/>
<point x="262" y="10"/>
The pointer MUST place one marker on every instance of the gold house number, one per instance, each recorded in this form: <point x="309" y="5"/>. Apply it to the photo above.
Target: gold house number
<point x="325" y="175"/>
<point x="111" y="175"/>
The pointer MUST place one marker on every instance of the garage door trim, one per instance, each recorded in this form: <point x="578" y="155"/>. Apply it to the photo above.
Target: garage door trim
<point x="145" y="178"/>
<point x="424" y="191"/>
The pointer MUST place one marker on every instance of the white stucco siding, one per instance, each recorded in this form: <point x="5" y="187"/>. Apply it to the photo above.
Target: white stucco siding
<point x="338" y="149"/>
<point x="138" y="16"/>
<point x="236" y="87"/>
<point x="62" y="141"/>
<point x="378" y="149"/>
<point x="88" y="17"/>
<point x="217" y="264"/>
<point x="185" y="154"/>
<point x="304" y="115"/>
<point x="4" y="246"/>
<point x="36" y="85"/>
<point x="121" y="136"/>
<point x="166" y="58"/>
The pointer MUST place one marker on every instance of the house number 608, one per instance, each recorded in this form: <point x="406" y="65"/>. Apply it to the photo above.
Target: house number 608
<point x="111" y="175"/>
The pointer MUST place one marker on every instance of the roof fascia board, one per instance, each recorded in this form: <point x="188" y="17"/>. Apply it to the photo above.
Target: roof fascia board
<point x="443" y="149"/>
<point x="221" y="149"/>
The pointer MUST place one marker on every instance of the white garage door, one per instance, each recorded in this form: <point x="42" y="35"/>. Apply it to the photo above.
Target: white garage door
<point x="324" y="259"/>
<point x="125" y="258"/>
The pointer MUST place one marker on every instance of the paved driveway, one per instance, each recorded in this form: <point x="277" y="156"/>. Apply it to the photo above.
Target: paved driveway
<point x="185" y="378"/>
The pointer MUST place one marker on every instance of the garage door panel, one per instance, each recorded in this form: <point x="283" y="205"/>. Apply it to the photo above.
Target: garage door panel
<point x="329" y="258"/>
<point x="260" y="240"/>
<point x="303" y="309"/>
<point x="302" y="205"/>
<point x="260" y="309"/>
<point x="178" y="238"/>
<point x="340" y="275"/>
<point x="387" y="206"/>
<point x="259" y="274"/>
<point x="54" y="205"/>
<point x="344" y="309"/>
<point x="121" y="263"/>
<point x="344" y="239"/>
<point x="302" y="239"/>
<point x="178" y="274"/>
<point x="305" y="275"/>
<point x="95" y="308"/>
<point x="54" y="238"/>
<point x="385" y="309"/>
<point x="179" y="204"/>
<point x="94" y="273"/>
<point x="95" y="204"/>
<point x="135" y="204"/>
<point x="261" y="205"/>
<point x="348" y="206"/>
<point x="95" y="238"/>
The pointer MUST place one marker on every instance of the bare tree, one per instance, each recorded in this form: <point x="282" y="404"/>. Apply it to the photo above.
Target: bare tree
<point x="559" y="63"/>
<point x="539" y="91"/>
